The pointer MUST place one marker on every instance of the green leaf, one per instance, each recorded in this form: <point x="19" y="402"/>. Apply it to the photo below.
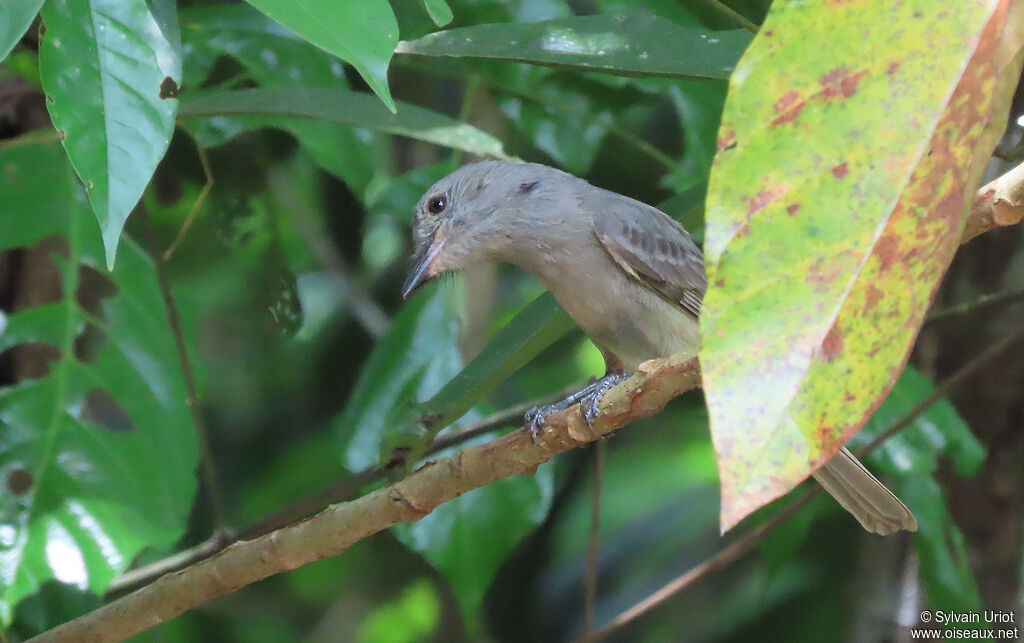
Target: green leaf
<point x="531" y="331"/>
<point x="699" y="104"/>
<point x="414" y="358"/>
<point x="439" y="11"/>
<point x="411" y="617"/>
<point x="633" y="45"/>
<point x="285" y="105"/>
<point x="467" y="539"/>
<point x="911" y="459"/>
<point x="15" y="18"/>
<point x="364" y="33"/>
<point x="247" y="35"/>
<point x="99" y="454"/>
<point x="111" y="69"/>
<point x="821" y="267"/>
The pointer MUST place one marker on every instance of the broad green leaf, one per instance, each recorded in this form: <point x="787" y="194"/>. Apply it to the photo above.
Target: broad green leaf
<point x="111" y="69"/>
<point x="910" y="458"/>
<point x="639" y="45"/>
<point x="531" y="331"/>
<point x="287" y="104"/>
<point x="439" y="11"/>
<point x="835" y="204"/>
<point x="98" y="455"/>
<point x="275" y="56"/>
<point x="566" y="117"/>
<point x="468" y="539"/>
<point x="363" y="34"/>
<point x="15" y="18"/>
<point x="413" y="359"/>
<point x="411" y="617"/>
<point x="699" y="105"/>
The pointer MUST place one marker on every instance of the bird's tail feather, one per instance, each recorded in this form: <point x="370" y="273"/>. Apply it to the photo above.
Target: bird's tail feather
<point x="876" y="508"/>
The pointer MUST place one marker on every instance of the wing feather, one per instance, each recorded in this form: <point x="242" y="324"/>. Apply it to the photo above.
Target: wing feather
<point x="651" y="247"/>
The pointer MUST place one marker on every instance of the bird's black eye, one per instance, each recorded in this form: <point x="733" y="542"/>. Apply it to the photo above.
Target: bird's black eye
<point x="436" y="204"/>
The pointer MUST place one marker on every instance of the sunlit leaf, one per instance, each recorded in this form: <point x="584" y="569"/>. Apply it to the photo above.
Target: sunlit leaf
<point x="285" y="104"/>
<point x="97" y="457"/>
<point x="363" y="34"/>
<point x="643" y="45"/>
<point x="111" y="70"/>
<point x="835" y="205"/>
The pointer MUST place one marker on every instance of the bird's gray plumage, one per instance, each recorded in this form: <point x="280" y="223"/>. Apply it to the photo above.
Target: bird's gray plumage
<point x="628" y="274"/>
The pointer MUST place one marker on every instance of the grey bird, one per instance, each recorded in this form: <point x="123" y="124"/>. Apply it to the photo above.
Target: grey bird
<point x="626" y="272"/>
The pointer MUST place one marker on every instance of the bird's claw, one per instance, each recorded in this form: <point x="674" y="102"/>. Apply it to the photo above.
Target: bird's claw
<point x="590" y="405"/>
<point x="589" y="399"/>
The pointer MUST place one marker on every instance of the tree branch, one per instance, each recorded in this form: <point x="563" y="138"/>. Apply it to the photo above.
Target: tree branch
<point x="338" y="527"/>
<point x="1000" y="203"/>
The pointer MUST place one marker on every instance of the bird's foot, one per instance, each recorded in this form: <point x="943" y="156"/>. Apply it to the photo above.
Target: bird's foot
<point x="591" y="402"/>
<point x="588" y="397"/>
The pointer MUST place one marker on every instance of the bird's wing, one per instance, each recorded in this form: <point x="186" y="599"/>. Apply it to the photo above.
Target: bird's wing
<point x="651" y="247"/>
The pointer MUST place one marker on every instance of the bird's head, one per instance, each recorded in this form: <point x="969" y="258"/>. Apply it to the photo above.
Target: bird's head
<point x="473" y="215"/>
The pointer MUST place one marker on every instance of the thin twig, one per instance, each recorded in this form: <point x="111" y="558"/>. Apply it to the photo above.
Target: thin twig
<point x="733" y="552"/>
<point x="207" y="465"/>
<point x="731" y="14"/>
<point x="746" y="543"/>
<point x="204" y="161"/>
<point x="590" y="577"/>
<point x="307" y="506"/>
<point x="942" y="390"/>
<point x="985" y="301"/>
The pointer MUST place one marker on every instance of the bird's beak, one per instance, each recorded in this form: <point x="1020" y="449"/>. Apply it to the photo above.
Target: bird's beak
<point x="423" y="268"/>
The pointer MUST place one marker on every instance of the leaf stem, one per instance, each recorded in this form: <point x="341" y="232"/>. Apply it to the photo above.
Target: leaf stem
<point x="985" y="301"/>
<point x="207" y="465"/>
<point x="730" y="13"/>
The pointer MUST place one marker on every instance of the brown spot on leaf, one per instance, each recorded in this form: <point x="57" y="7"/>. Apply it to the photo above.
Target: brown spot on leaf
<point x="792" y="208"/>
<point x="832" y="344"/>
<point x="841" y="170"/>
<point x="788" y="107"/>
<point x="169" y="88"/>
<point x="840" y="83"/>
<point x="727" y="140"/>
<point x="100" y="408"/>
<point x="888" y="252"/>
<point x="743" y="231"/>
<point x="763" y="198"/>
<point x="872" y="297"/>
<point x="769" y="33"/>
<point x="19" y="481"/>
<point x="892" y="68"/>
<point x="719" y="283"/>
